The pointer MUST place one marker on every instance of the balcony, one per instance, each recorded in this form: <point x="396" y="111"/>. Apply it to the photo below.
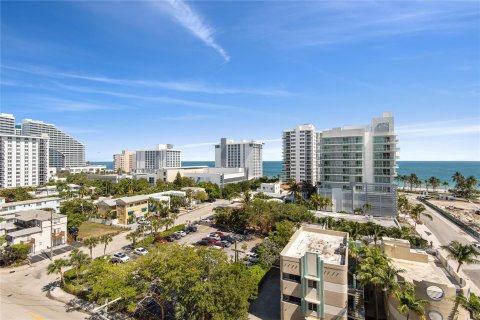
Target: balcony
<point x="58" y="235"/>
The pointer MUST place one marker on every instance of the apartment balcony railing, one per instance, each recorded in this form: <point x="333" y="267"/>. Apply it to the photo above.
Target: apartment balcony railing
<point x="31" y="241"/>
<point x="58" y="235"/>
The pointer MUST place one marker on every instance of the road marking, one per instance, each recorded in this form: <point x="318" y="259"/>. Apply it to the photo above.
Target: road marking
<point x="35" y="317"/>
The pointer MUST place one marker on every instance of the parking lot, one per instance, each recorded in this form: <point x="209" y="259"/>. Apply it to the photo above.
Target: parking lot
<point x="203" y="231"/>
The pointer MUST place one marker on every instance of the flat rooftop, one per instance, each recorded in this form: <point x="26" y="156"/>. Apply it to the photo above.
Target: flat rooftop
<point x="432" y="271"/>
<point x="329" y="246"/>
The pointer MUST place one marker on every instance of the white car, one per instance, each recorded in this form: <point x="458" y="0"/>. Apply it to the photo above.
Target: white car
<point x="215" y="236"/>
<point x="143" y="221"/>
<point x="476" y="245"/>
<point x="216" y="247"/>
<point x="120" y="257"/>
<point x="180" y="233"/>
<point x="140" y="251"/>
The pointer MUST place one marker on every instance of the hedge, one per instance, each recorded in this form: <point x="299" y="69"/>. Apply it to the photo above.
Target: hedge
<point x="257" y="273"/>
<point x="170" y="231"/>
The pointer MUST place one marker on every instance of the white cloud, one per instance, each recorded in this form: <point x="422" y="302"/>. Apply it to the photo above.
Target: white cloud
<point x="191" y="20"/>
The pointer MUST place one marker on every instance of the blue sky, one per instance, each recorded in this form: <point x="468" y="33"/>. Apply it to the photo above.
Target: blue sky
<point x="127" y="75"/>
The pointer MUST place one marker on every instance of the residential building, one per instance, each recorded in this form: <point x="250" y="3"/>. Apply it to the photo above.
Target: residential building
<point x="164" y="156"/>
<point x="64" y="150"/>
<point x="299" y="154"/>
<point x="242" y="154"/>
<point x="314" y="275"/>
<point x="96" y="168"/>
<point x="7" y="124"/>
<point x="44" y="192"/>
<point x="125" y="161"/>
<point x="274" y="187"/>
<point x="41" y="229"/>
<point x="23" y="160"/>
<point x="9" y="209"/>
<point x="434" y="281"/>
<point x="357" y="167"/>
<point x="219" y="176"/>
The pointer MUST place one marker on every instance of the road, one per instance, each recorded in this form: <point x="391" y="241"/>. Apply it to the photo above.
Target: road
<point x="24" y="290"/>
<point x="443" y="232"/>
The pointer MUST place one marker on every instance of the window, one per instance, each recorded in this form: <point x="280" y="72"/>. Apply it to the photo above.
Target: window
<point x="312" y="284"/>
<point x="291" y="277"/>
<point x="292" y="299"/>
<point x="312" y="307"/>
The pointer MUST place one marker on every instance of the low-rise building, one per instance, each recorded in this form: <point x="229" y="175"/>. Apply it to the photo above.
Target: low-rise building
<point x="131" y="208"/>
<point x="9" y="209"/>
<point x="97" y="168"/>
<point x="314" y="275"/>
<point x="270" y="187"/>
<point x="219" y="176"/>
<point x="43" y="192"/>
<point x="41" y="229"/>
<point x="433" y="279"/>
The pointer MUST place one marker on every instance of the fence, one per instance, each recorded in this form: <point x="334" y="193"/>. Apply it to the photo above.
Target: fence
<point x="456" y="221"/>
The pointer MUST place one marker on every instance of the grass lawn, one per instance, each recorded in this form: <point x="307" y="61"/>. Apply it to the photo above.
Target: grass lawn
<point x="90" y="229"/>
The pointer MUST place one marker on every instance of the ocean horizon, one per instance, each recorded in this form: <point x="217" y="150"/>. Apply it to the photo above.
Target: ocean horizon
<point x="443" y="170"/>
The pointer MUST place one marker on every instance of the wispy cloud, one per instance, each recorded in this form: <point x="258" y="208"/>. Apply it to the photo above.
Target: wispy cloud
<point x="191" y="20"/>
<point x="182" y="86"/>
<point x="441" y="128"/>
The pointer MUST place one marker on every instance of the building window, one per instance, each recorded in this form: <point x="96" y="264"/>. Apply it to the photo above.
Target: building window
<point x="292" y="299"/>
<point x="312" y="284"/>
<point x="312" y="307"/>
<point x="291" y="277"/>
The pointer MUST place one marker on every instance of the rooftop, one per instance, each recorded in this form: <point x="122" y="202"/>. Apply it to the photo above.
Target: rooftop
<point x="37" y="215"/>
<point x="330" y="245"/>
<point x="133" y="198"/>
<point x="7" y="204"/>
<point x="24" y="232"/>
<point x="432" y="271"/>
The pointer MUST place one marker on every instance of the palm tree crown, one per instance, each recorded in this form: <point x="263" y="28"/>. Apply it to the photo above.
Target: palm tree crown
<point x="462" y="253"/>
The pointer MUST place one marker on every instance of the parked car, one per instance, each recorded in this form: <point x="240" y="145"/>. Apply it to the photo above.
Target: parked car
<point x="215" y="246"/>
<point x="119" y="257"/>
<point x="224" y="243"/>
<point x="186" y="230"/>
<point x="143" y="221"/>
<point x="247" y="263"/>
<point x="215" y="236"/>
<point x="210" y="240"/>
<point x="192" y="228"/>
<point x="255" y="248"/>
<point x="218" y="233"/>
<point x="176" y="236"/>
<point x="161" y="240"/>
<point x="228" y="238"/>
<point x="181" y="233"/>
<point x="202" y="243"/>
<point x="476" y="245"/>
<point x="140" y="251"/>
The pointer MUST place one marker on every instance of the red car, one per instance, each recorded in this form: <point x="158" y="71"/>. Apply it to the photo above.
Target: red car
<point x="217" y="233"/>
<point x="210" y="240"/>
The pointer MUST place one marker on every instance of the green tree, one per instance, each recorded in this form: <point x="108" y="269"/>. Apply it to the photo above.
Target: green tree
<point x="105" y="240"/>
<point x="417" y="211"/>
<point x="56" y="267"/>
<point x="133" y="236"/>
<point x="462" y="253"/>
<point x="445" y="184"/>
<point x="91" y="243"/>
<point x="16" y="194"/>
<point x="78" y="259"/>
<point x="201" y="196"/>
<point x="408" y="302"/>
<point x="14" y="253"/>
<point x="178" y="181"/>
<point x="471" y="304"/>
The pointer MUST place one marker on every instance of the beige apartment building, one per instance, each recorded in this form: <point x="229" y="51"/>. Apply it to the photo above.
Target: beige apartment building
<point x="125" y="161"/>
<point x="314" y="275"/>
<point x="434" y="281"/>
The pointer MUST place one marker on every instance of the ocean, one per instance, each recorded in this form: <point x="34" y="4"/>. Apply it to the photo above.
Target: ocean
<point x="443" y="170"/>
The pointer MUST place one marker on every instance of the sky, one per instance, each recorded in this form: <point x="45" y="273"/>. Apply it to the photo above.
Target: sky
<point x="128" y="75"/>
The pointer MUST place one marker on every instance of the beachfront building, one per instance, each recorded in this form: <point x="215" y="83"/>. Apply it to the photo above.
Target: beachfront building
<point x="124" y="162"/>
<point x="299" y="154"/>
<point x="219" y="176"/>
<point x="240" y="154"/>
<point x="314" y="275"/>
<point x="93" y="168"/>
<point x="9" y="209"/>
<point x="357" y="166"/>
<point x="38" y="228"/>
<point x="64" y="150"/>
<point x="164" y="156"/>
<point x="433" y="279"/>
<point x="23" y="158"/>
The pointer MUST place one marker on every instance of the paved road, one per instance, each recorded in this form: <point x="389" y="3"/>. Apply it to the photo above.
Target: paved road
<point x="445" y="232"/>
<point x="23" y="293"/>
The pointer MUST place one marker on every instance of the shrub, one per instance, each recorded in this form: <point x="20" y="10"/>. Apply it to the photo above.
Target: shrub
<point x="170" y="231"/>
<point x="257" y="273"/>
<point x="14" y="254"/>
<point x="145" y="242"/>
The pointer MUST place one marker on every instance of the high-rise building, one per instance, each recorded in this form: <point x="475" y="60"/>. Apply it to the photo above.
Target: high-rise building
<point x="314" y="276"/>
<point x="299" y="154"/>
<point x="23" y="158"/>
<point x="164" y="156"/>
<point x="241" y="154"/>
<point x="357" y="167"/>
<point x="65" y="151"/>
<point x="125" y="161"/>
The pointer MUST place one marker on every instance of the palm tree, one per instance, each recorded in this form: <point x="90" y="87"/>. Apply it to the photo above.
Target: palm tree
<point x="105" y="240"/>
<point x="78" y="259"/>
<point x="462" y="253"/>
<point x="55" y="267"/>
<point x="389" y="276"/>
<point x="377" y="231"/>
<point x="471" y="304"/>
<point x="91" y="243"/>
<point x="407" y="301"/>
<point x="427" y="183"/>
<point x="367" y="207"/>
<point x="133" y="236"/>
<point x="247" y="197"/>
<point x="156" y="224"/>
<point x="445" y="184"/>
<point x="417" y="211"/>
